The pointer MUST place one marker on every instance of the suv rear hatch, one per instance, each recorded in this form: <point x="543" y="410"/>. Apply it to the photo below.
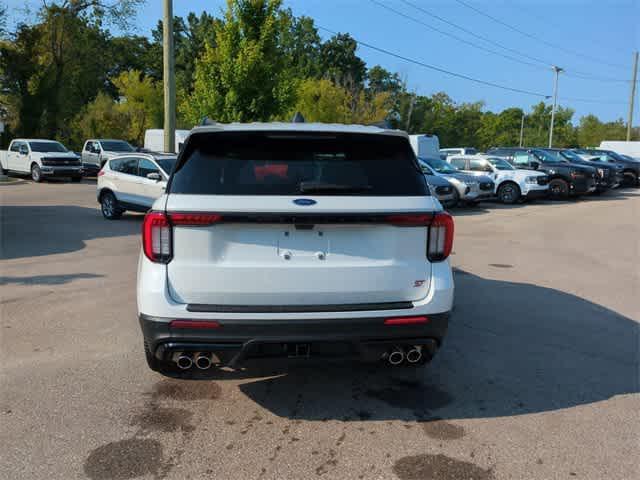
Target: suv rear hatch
<point x="288" y="220"/>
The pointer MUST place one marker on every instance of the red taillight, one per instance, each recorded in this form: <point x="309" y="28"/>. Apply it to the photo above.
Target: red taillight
<point x="410" y="220"/>
<point x="440" y="241"/>
<point x="406" y="320"/>
<point x="194" y="219"/>
<point x="194" y="324"/>
<point x="157" y="233"/>
<point x="156" y="237"/>
<point x="101" y="173"/>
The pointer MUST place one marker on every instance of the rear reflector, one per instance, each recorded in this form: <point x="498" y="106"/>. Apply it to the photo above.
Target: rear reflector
<point x="194" y="324"/>
<point x="101" y="173"/>
<point x="406" y="320"/>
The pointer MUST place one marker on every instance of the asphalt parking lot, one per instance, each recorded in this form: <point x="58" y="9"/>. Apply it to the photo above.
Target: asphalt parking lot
<point x="538" y="378"/>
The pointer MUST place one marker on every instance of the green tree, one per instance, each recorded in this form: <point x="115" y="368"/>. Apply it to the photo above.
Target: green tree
<point x="340" y="63"/>
<point x="502" y="129"/>
<point x="140" y="102"/>
<point x="50" y="70"/>
<point x="538" y="122"/>
<point x="320" y="100"/>
<point x="245" y="76"/>
<point x="100" y="118"/>
<point x="301" y="45"/>
<point x="592" y="131"/>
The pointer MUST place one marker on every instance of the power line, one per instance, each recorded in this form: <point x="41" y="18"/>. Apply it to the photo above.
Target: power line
<point x="473" y="34"/>
<point x="439" y="69"/>
<point x="572" y="73"/>
<point x="541" y="40"/>
<point x="460" y="39"/>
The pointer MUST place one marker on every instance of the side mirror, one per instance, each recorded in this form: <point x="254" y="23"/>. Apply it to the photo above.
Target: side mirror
<point x="154" y="176"/>
<point x="535" y="165"/>
<point x="23" y="151"/>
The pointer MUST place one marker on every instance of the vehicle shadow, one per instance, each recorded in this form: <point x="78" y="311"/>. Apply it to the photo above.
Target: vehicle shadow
<point x="512" y="349"/>
<point x="47" y="279"/>
<point x="31" y="231"/>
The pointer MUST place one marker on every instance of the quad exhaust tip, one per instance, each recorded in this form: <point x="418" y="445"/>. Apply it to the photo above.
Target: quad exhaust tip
<point x="396" y="356"/>
<point x="415" y="354"/>
<point x="183" y="360"/>
<point x="203" y="361"/>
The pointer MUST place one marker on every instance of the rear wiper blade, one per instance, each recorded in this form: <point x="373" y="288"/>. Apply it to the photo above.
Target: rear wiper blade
<point x="307" y="187"/>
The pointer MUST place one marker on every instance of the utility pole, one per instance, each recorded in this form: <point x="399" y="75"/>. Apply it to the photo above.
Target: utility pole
<point x="634" y="81"/>
<point x="413" y="101"/>
<point x="557" y="71"/>
<point x="522" y="129"/>
<point x="168" y="75"/>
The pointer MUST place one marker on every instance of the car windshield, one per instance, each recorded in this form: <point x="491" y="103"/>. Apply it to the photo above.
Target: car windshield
<point x="116" y="146"/>
<point x="501" y="164"/>
<point x="439" y="165"/>
<point x="166" y="163"/>
<point x="571" y="156"/>
<point x="610" y="154"/>
<point x="545" y="156"/>
<point x="44" y="147"/>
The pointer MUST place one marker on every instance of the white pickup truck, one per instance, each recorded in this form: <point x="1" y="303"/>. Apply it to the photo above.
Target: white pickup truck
<point x="40" y="159"/>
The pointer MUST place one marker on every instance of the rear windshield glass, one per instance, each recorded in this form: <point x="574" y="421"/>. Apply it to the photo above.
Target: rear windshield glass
<point x="166" y="163"/>
<point x="294" y="163"/>
<point x="116" y="146"/>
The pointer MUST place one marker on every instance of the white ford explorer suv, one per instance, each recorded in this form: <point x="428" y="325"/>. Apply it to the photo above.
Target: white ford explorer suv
<point x="294" y="240"/>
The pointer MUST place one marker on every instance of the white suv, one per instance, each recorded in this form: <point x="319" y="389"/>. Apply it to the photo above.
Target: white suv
<point x="132" y="182"/>
<point x="511" y="184"/>
<point x="278" y="239"/>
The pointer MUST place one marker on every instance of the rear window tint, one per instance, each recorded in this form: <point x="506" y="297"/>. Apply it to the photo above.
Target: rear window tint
<point x="288" y="163"/>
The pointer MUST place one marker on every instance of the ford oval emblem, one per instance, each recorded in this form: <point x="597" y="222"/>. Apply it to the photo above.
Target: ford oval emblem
<point x="304" y="202"/>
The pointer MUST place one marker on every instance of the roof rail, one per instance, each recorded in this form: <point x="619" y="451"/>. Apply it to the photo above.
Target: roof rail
<point x="297" y="118"/>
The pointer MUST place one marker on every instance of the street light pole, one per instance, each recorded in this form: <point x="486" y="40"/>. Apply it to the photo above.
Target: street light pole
<point x="168" y="75"/>
<point x="522" y="129"/>
<point x="557" y="71"/>
<point x="634" y="80"/>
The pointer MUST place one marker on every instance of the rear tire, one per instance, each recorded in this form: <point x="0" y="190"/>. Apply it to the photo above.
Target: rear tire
<point x="36" y="173"/>
<point x="456" y="198"/>
<point x="109" y="206"/>
<point x="558" y="189"/>
<point x="509" y="193"/>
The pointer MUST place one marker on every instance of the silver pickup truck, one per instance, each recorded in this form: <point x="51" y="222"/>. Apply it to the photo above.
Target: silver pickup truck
<point x="98" y="150"/>
<point x="40" y="158"/>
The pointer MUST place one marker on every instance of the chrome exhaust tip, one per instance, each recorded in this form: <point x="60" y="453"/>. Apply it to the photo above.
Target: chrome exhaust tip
<point x="203" y="361"/>
<point x="415" y="354"/>
<point x="183" y="360"/>
<point x="396" y="356"/>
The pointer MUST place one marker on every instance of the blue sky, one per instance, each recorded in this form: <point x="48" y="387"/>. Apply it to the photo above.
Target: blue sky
<point x="607" y="31"/>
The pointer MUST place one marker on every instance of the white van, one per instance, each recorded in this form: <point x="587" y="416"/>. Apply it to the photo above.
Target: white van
<point x="154" y="139"/>
<point x="425" y="145"/>
<point x="624" y="148"/>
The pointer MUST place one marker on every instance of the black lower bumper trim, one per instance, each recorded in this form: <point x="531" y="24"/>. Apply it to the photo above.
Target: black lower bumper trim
<point x="357" y="307"/>
<point x="238" y="340"/>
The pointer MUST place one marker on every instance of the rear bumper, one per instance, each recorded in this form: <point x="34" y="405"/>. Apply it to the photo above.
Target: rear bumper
<point x="238" y="340"/>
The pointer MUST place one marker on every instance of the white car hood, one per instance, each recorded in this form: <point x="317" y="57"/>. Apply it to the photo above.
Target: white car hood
<point x="519" y="174"/>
